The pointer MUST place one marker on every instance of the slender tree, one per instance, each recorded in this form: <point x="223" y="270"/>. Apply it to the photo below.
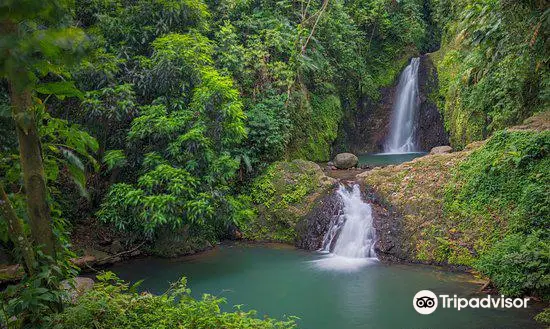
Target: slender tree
<point x="34" y="42"/>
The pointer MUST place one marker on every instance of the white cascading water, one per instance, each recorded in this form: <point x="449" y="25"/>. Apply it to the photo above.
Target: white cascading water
<point x="402" y="127"/>
<point x="350" y="240"/>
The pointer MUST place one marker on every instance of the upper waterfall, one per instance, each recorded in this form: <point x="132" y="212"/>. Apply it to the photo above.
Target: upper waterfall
<point x="402" y="137"/>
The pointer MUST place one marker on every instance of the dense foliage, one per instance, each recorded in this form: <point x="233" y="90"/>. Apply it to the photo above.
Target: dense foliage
<point x="192" y="102"/>
<point x="493" y="65"/>
<point x="157" y="117"/>
<point x="113" y="304"/>
<point x="504" y="187"/>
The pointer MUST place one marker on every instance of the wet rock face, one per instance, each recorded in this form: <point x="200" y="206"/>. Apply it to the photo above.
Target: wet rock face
<point x="363" y="130"/>
<point x="430" y="127"/>
<point x="388" y="224"/>
<point x="311" y="231"/>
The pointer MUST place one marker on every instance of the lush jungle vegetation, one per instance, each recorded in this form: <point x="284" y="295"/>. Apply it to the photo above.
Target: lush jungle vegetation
<point x="160" y="116"/>
<point x="492" y="65"/>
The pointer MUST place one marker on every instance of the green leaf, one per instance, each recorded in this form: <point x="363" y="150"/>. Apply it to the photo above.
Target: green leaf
<point x="60" y="89"/>
<point x="114" y="158"/>
<point x="76" y="169"/>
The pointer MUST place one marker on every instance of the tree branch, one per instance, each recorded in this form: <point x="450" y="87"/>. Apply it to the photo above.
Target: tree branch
<point x="319" y="14"/>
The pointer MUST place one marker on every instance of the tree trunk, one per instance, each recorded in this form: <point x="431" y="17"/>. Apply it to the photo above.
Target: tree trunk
<point x="16" y="232"/>
<point x="33" y="170"/>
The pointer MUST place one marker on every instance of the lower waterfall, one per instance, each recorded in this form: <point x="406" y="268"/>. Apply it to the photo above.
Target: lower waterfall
<point x="350" y="239"/>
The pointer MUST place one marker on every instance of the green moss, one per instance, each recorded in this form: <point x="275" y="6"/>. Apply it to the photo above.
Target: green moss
<point x="498" y="199"/>
<point x="504" y="182"/>
<point x="283" y="195"/>
<point x="316" y="128"/>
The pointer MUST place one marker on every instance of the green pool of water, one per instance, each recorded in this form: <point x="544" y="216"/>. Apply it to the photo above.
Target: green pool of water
<point x="383" y="159"/>
<point x="280" y="281"/>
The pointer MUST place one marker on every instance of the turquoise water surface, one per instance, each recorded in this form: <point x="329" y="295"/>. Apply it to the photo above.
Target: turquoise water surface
<point x="280" y="281"/>
<point x="383" y="159"/>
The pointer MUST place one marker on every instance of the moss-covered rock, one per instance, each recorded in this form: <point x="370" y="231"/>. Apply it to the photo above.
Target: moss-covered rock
<point x="414" y="192"/>
<point x="10" y="273"/>
<point x="315" y="127"/>
<point x="283" y="197"/>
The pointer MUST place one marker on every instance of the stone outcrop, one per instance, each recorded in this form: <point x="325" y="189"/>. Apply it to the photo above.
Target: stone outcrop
<point x="408" y="199"/>
<point x="312" y="229"/>
<point x="285" y="197"/>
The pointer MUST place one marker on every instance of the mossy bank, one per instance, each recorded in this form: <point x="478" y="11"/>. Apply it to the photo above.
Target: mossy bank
<point x="485" y="208"/>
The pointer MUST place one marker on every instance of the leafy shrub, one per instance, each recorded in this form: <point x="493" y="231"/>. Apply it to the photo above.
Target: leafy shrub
<point x="498" y="198"/>
<point x="492" y="65"/>
<point x="519" y="264"/>
<point x="184" y="146"/>
<point x="29" y="302"/>
<point x="117" y="305"/>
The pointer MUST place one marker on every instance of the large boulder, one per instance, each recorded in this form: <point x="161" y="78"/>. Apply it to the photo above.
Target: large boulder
<point x="76" y="287"/>
<point x="441" y="150"/>
<point x="345" y="161"/>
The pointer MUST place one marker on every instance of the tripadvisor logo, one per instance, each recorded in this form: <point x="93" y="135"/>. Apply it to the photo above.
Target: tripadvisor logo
<point x="426" y="302"/>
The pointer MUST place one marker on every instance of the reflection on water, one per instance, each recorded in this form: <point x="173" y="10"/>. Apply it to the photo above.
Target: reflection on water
<point x="384" y="159"/>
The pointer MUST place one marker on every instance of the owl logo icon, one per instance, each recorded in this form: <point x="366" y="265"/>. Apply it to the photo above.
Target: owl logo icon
<point x="425" y="302"/>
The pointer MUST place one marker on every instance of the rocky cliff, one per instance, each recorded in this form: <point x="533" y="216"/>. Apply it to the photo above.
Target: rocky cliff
<point x="430" y="127"/>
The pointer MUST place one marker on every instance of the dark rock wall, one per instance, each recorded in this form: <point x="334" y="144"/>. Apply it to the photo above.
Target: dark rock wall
<point x="388" y="224"/>
<point x="312" y="229"/>
<point x="430" y="127"/>
<point x="364" y="129"/>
